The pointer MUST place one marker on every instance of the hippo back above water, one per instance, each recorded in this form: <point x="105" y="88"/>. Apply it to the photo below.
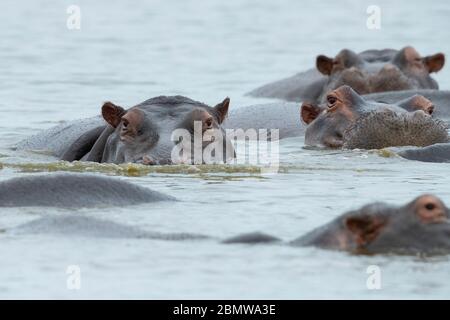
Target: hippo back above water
<point x="366" y="72"/>
<point x="74" y="191"/>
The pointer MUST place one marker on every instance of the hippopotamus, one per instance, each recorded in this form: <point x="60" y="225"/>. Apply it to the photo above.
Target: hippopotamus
<point x="366" y="72"/>
<point x="350" y="121"/>
<point x="74" y="191"/>
<point x="419" y="227"/>
<point x="284" y="115"/>
<point x="160" y="130"/>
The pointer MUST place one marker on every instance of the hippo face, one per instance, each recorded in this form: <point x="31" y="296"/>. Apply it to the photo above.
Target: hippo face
<point x="146" y="133"/>
<point x="346" y="117"/>
<point x="377" y="71"/>
<point x="420" y="227"/>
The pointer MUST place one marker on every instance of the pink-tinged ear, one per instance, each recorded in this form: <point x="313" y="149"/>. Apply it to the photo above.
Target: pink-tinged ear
<point x="112" y="113"/>
<point x="309" y="112"/>
<point x="222" y="109"/>
<point x="324" y="64"/>
<point x="435" y="62"/>
<point x="364" y="228"/>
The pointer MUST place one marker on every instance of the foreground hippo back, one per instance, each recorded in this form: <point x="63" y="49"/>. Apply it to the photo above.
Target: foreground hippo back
<point x="367" y="72"/>
<point x="74" y="191"/>
<point x="419" y="227"/>
<point x="349" y="120"/>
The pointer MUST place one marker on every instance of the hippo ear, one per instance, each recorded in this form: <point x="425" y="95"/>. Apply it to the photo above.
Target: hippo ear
<point x="324" y="64"/>
<point x="222" y="109"/>
<point x="309" y="112"/>
<point x="435" y="62"/>
<point x="112" y="113"/>
<point x="365" y="228"/>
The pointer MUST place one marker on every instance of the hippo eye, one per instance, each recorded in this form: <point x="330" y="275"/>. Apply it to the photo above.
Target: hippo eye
<point x="430" y="206"/>
<point x="125" y="124"/>
<point x="331" y="101"/>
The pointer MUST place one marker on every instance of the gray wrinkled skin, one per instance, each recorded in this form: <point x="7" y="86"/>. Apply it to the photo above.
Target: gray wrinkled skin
<point x="74" y="191"/>
<point x="377" y="130"/>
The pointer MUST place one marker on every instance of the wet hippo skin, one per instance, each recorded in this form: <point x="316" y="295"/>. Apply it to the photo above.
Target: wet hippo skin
<point x="351" y="121"/>
<point x="366" y="72"/>
<point x="74" y="191"/>
<point x="439" y="152"/>
<point x="145" y="133"/>
<point x="419" y="227"/>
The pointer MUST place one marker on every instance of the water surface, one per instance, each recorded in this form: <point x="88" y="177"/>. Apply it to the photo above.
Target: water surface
<point x="128" y="52"/>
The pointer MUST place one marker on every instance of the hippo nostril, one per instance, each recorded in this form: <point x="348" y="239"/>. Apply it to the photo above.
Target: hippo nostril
<point x="430" y="206"/>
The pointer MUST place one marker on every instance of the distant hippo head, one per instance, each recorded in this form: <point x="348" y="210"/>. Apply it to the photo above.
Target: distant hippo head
<point x="348" y="120"/>
<point x="380" y="70"/>
<point x="153" y="131"/>
<point x="421" y="226"/>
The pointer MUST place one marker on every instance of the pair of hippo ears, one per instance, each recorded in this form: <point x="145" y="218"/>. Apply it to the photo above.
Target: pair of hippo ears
<point x="347" y="58"/>
<point x="113" y="114"/>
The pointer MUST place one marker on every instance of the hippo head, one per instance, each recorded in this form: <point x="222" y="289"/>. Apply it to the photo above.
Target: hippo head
<point x="377" y="71"/>
<point x="348" y="120"/>
<point x="419" y="227"/>
<point x="151" y="131"/>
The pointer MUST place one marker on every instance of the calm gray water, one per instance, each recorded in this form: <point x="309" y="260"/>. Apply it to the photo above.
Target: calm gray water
<point x="127" y="52"/>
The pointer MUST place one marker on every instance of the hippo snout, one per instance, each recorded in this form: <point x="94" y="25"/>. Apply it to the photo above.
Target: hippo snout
<point x="335" y="142"/>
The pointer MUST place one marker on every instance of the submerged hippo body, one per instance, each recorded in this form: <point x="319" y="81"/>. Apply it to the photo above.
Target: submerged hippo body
<point x="439" y="152"/>
<point x="85" y="226"/>
<point x="419" y="227"/>
<point x="146" y="133"/>
<point x="74" y="191"/>
<point x="348" y="120"/>
<point x="367" y="72"/>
